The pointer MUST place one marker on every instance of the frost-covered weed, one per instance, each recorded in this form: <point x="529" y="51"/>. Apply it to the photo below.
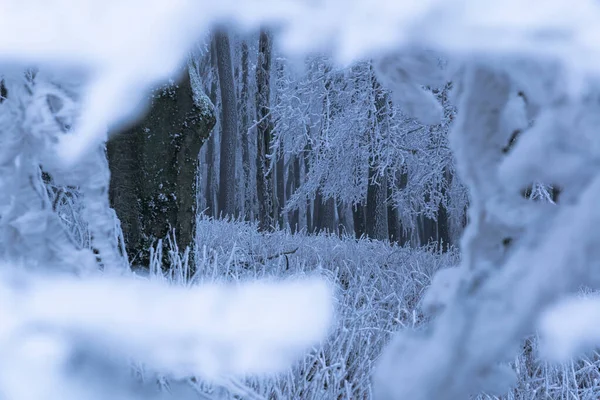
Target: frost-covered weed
<point x="380" y="288"/>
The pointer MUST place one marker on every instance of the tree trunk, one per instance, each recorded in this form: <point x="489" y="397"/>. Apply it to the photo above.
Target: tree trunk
<point x="324" y="214"/>
<point x="264" y="130"/>
<point x="393" y="225"/>
<point x="280" y="179"/>
<point x="293" y="183"/>
<point x="153" y="169"/>
<point x="211" y="204"/>
<point x="377" y="218"/>
<point x="358" y="213"/>
<point x="244" y="99"/>
<point x="377" y="209"/>
<point x="229" y="125"/>
<point x="443" y="231"/>
<point x="346" y="221"/>
<point x="211" y="179"/>
<point x="317" y="222"/>
<point x="280" y="167"/>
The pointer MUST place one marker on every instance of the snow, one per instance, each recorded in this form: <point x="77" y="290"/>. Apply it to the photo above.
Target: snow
<point x="123" y="48"/>
<point x="211" y="331"/>
<point x="570" y="328"/>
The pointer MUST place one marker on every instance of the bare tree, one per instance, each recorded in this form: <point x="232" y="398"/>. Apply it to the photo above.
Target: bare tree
<point x="229" y="124"/>
<point x="264" y="128"/>
<point x="245" y="127"/>
<point x="377" y="190"/>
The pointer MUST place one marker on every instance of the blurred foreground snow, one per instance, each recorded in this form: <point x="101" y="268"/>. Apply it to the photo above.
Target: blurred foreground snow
<point x="570" y="328"/>
<point x="210" y="331"/>
<point x="124" y="48"/>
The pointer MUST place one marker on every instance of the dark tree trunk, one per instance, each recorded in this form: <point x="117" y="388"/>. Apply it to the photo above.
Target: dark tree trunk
<point x="358" y="213"/>
<point x="403" y="233"/>
<point x="317" y="211"/>
<point x="376" y="215"/>
<point x="435" y="230"/>
<point x="377" y="208"/>
<point x="329" y="219"/>
<point x="398" y="233"/>
<point x="444" y="236"/>
<point x="244" y="98"/>
<point x="264" y="130"/>
<point x="310" y="226"/>
<point x="345" y="225"/>
<point x="211" y="206"/>
<point x="443" y="231"/>
<point x="393" y="226"/>
<point x="280" y="167"/>
<point x="427" y="230"/>
<point x="296" y="212"/>
<point x="324" y="214"/>
<point x="280" y="179"/>
<point x="211" y="179"/>
<point x="153" y="169"/>
<point x="229" y="125"/>
<point x="292" y="184"/>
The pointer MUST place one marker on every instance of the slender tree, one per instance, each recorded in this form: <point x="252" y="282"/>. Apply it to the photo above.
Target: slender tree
<point x="244" y="131"/>
<point x="264" y="179"/>
<point x="377" y="208"/>
<point x="211" y="178"/>
<point x="229" y="124"/>
<point x="279" y="199"/>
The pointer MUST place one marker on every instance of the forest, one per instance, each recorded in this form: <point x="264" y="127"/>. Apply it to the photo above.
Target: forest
<point x="275" y="150"/>
<point x="299" y="200"/>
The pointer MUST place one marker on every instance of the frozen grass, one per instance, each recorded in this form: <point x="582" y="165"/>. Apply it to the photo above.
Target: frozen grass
<point x="378" y="290"/>
<point x="379" y="287"/>
<point x="537" y="379"/>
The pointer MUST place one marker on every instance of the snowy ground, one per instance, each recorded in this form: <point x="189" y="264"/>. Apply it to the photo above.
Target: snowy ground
<point x="379" y="287"/>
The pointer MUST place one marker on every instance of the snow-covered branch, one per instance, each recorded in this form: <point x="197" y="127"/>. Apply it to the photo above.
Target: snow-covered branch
<point x="209" y="331"/>
<point x="518" y="257"/>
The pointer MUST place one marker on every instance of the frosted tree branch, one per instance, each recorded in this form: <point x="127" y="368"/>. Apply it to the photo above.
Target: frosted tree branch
<point x="209" y="331"/>
<point x="515" y="259"/>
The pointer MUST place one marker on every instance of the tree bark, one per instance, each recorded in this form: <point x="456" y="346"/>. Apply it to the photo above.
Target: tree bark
<point x="280" y="188"/>
<point x="393" y="224"/>
<point x="345" y="225"/>
<point x="245" y="125"/>
<point x="211" y="179"/>
<point x="377" y="209"/>
<point x="309" y="203"/>
<point x="376" y="215"/>
<point x="358" y="213"/>
<point x="153" y="169"/>
<point x="293" y="183"/>
<point x="264" y="130"/>
<point x="280" y="165"/>
<point x="229" y="125"/>
<point x="324" y="214"/>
